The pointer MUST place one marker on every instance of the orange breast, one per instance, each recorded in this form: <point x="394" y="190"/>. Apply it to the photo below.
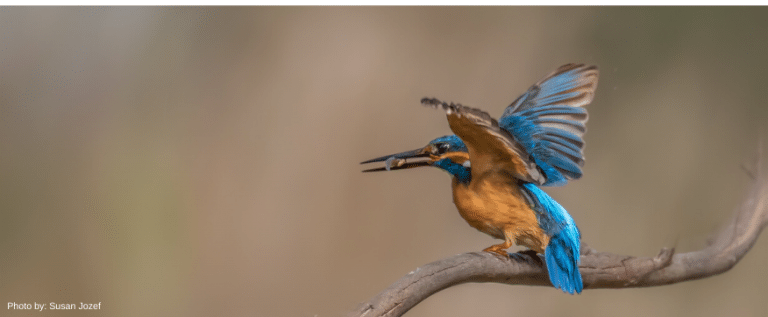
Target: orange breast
<point x="494" y="205"/>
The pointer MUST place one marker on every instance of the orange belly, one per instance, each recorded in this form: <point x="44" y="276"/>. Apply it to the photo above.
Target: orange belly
<point x="494" y="205"/>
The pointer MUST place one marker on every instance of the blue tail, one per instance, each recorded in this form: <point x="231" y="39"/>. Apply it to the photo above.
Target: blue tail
<point x="562" y="253"/>
<point x="562" y="256"/>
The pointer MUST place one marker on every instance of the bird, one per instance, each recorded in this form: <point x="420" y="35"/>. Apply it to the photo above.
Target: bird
<point x="497" y="167"/>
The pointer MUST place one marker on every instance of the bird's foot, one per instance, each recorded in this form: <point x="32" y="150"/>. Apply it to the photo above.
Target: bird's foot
<point x="498" y="249"/>
<point x="534" y="256"/>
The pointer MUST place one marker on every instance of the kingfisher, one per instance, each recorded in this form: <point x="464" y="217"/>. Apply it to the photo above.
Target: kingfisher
<point x="498" y="166"/>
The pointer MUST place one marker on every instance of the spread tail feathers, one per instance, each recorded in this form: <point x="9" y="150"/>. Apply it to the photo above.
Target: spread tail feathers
<point x="562" y="256"/>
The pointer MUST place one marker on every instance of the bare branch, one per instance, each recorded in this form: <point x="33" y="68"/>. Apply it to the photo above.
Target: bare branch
<point x="598" y="269"/>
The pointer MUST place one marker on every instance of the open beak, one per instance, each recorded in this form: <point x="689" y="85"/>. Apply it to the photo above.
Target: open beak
<point x="400" y="161"/>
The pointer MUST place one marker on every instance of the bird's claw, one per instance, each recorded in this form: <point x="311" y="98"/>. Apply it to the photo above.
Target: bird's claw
<point x="534" y="256"/>
<point x="498" y="250"/>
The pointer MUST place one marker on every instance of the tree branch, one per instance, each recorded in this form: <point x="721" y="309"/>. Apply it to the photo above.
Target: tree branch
<point x="598" y="269"/>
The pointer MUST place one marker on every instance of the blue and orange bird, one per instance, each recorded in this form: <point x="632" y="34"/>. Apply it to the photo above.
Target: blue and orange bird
<point x="497" y="167"/>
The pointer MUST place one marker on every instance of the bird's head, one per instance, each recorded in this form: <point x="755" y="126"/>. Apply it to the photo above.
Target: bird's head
<point x="448" y="153"/>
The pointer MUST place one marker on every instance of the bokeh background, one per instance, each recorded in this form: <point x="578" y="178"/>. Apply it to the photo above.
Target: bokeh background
<point x="204" y="161"/>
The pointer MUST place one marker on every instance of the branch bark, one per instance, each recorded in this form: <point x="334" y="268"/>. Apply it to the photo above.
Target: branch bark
<point x="598" y="269"/>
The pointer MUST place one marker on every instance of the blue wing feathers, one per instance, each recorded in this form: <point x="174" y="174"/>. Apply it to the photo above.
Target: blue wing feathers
<point x="554" y="109"/>
<point x="573" y="155"/>
<point x="549" y="120"/>
<point x="555" y="132"/>
<point x="564" y="123"/>
<point x="549" y="170"/>
<point x="555" y="151"/>
<point x="574" y="146"/>
<point x="558" y="98"/>
<point x="562" y="253"/>
<point x="565" y="166"/>
<point x="523" y="102"/>
<point x="560" y="112"/>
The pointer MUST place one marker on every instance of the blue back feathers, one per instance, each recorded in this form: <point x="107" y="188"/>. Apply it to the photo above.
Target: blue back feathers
<point x="562" y="253"/>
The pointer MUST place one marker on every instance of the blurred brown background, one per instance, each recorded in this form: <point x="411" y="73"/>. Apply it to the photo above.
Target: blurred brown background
<point x="204" y="161"/>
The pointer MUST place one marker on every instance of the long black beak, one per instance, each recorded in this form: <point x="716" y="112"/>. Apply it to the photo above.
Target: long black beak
<point x="399" y="161"/>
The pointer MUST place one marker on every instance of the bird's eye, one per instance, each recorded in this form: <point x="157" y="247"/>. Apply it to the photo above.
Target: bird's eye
<point x="443" y="147"/>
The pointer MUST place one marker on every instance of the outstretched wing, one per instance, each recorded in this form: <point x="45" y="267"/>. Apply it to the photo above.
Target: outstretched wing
<point x="549" y="120"/>
<point x="489" y="146"/>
